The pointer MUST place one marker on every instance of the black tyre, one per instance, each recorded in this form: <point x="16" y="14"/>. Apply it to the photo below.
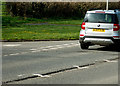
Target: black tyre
<point x="84" y="46"/>
<point x="117" y="46"/>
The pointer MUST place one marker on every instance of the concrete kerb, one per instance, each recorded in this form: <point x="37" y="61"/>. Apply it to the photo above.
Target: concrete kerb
<point x="22" y="40"/>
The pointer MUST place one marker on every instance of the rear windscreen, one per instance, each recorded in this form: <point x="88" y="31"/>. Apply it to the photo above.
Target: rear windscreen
<point x="101" y="18"/>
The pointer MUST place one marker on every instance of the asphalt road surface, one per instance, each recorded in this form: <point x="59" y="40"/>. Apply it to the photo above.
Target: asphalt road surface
<point x="58" y="62"/>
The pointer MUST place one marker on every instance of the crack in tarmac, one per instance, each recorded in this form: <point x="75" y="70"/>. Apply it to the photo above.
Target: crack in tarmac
<point x="75" y="67"/>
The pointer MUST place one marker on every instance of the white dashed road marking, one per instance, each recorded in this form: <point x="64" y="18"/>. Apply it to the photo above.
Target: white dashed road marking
<point x="53" y="48"/>
<point x="12" y="45"/>
<point x="5" y="55"/>
<point x="14" y="54"/>
<point x="33" y="49"/>
<point x="21" y="75"/>
<point x="47" y="48"/>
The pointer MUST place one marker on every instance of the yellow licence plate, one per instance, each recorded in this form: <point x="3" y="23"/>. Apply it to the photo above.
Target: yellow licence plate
<point x="99" y="30"/>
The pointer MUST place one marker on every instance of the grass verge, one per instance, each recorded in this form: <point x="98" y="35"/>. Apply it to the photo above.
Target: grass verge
<point x="17" y="30"/>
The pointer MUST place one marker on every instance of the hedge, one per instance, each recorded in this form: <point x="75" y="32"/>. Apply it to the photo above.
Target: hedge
<point x="55" y="9"/>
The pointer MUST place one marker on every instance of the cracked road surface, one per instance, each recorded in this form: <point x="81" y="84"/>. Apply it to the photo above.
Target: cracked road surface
<point x="58" y="62"/>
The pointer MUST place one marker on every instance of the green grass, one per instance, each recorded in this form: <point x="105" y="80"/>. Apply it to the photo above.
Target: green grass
<point x="19" y="31"/>
<point x="16" y="21"/>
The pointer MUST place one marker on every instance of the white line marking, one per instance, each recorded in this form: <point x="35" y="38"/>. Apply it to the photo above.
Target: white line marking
<point x="83" y="67"/>
<point x="12" y="45"/>
<point x="14" y="54"/>
<point x="58" y="45"/>
<point x="48" y="47"/>
<point x="36" y="51"/>
<point x="76" y="44"/>
<point x="76" y="66"/>
<point x="11" y="54"/>
<point x="80" y="67"/>
<point x="21" y="75"/>
<point x="33" y="49"/>
<point x="39" y="75"/>
<point x="110" y="61"/>
<point x="72" y="43"/>
<point x="69" y="46"/>
<point x="5" y="55"/>
<point x="53" y="48"/>
<point x="66" y="44"/>
<point x="113" y="61"/>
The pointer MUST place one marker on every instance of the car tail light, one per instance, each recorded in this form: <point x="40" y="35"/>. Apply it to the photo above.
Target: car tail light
<point x="81" y="34"/>
<point x="116" y="36"/>
<point x="116" y="27"/>
<point x="83" y="26"/>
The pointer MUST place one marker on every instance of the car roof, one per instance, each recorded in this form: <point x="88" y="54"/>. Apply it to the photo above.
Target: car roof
<point x="104" y="11"/>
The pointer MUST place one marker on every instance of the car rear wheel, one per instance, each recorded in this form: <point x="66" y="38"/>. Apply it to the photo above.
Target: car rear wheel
<point x="84" y="45"/>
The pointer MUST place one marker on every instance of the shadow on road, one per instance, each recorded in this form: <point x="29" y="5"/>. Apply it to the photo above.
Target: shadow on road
<point x="107" y="48"/>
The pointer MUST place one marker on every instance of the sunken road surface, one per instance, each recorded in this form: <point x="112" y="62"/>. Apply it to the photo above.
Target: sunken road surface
<point x="58" y="62"/>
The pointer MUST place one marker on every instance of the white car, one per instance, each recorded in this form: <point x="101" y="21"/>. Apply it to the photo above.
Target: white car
<point x="100" y="27"/>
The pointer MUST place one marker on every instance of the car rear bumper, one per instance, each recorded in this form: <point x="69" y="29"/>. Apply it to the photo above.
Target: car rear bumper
<point x="99" y="40"/>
